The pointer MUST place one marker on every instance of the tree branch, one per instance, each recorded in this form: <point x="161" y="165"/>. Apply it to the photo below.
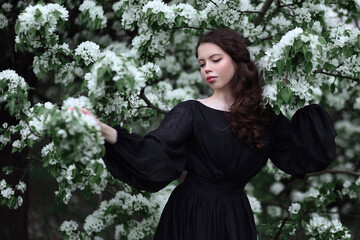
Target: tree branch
<point x="280" y="229"/>
<point x="243" y="12"/>
<point x="37" y="135"/>
<point x="188" y="27"/>
<point x="214" y="3"/>
<point x="263" y="11"/>
<point x="336" y="75"/>
<point x="356" y="174"/>
<point x="147" y="101"/>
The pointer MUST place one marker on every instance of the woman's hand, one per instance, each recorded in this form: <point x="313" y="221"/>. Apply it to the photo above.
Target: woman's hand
<point x="109" y="133"/>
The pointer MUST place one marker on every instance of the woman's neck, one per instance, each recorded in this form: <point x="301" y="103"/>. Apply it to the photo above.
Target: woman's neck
<point x="219" y="100"/>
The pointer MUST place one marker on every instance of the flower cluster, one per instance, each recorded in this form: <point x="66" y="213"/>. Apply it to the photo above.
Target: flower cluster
<point x="158" y="13"/>
<point x="74" y="155"/>
<point x="36" y="26"/>
<point x="165" y="96"/>
<point x="151" y="70"/>
<point x="321" y="228"/>
<point x="288" y="73"/>
<point x="3" y="21"/>
<point x="67" y="73"/>
<point x="112" y="77"/>
<point x="148" y="44"/>
<point x="88" y="52"/>
<point x="7" y="194"/>
<point x="52" y="59"/>
<point x="128" y="203"/>
<point x="13" y="92"/>
<point x="92" y="15"/>
<point x="186" y="14"/>
<point x="130" y="12"/>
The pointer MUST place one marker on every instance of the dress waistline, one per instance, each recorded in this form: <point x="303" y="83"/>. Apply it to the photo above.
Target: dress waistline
<point x="212" y="187"/>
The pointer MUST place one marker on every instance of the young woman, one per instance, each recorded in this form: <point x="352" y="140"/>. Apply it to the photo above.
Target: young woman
<point x="222" y="142"/>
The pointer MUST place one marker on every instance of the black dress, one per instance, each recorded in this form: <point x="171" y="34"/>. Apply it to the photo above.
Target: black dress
<point x="211" y="204"/>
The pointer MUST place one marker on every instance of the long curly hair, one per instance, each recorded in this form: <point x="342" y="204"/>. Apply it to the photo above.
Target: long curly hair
<point x="248" y="118"/>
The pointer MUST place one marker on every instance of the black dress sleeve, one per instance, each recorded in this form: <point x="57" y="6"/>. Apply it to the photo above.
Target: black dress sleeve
<point x="151" y="162"/>
<point x="306" y="144"/>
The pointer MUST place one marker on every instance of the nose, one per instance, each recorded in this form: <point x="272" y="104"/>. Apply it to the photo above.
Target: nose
<point x="207" y="68"/>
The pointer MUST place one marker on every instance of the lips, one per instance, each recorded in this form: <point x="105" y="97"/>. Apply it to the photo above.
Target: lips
<point x="210" y="78"/>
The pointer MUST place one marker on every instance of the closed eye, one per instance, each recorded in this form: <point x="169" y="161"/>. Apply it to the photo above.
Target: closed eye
<point x="215" y="60"/>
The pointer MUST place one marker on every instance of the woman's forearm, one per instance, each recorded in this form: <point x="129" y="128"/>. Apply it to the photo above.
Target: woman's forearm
<point x="109" y="133"/>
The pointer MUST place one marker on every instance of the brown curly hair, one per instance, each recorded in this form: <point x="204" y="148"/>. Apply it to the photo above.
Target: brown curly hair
<point x="248" y="118"/>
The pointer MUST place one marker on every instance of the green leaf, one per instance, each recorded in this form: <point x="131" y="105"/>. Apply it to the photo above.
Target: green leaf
<point x="301" y="102"/>
<point x="32" y="32"/>
<point x="179" y="20"/>
<point x="56" y="14"/>
<point x="297" y="45"/>
<point x="286" y="94"/>
<point x="287" y="52"/>
<point x="348" y="51"/>
<point x="319" y="48"/>
<point x="322" y="39"/>
<point x="288" y="65"/>
<point x="311" y="23"/>
<point x="17" y="27"/>
<point x="161" y="16"/>
<point x="98" y="169"/>
<point x="304" y="25"/>
<point x="308" y="67"/>
<point x="308" y="56"/>
<point x="148" y="12"/>
<point x="277" y="110"/>
<point x="38" y="16"/>
<point x="280" y="66"/>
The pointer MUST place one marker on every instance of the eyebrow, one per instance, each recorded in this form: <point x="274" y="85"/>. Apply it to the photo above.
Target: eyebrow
<point x="210" y="56"/>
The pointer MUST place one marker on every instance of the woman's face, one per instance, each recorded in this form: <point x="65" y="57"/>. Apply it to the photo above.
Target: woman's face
<point x="216" y="66"/>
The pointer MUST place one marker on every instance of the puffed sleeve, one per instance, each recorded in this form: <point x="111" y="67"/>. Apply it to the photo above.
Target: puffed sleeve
<point x="151" y="162"/>
<point x="306" y="144"/>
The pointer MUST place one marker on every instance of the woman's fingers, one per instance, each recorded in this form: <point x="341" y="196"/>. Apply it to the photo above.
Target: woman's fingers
<point x="83" y="110"/>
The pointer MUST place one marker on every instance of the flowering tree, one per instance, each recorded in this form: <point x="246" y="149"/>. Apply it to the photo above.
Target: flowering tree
<point x="129" y="62"/>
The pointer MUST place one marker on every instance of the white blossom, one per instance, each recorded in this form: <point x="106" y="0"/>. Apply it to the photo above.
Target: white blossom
<point x="69" y="227"/>
<point x="7" y="7"/>
<point x="274" y="211"/>
<point x="28" y="21"/>
<point x="14" y="82"/>
<point x="95" y="11"/>
<point x="3" y="21"/>
<point x="19" y="202"/>
<point x="357" y="182"/>
<point x="255" y="204"/>
<point x="7" y="192"/>
<point x="294" y="208"/>
<point x="21" y="186"/>
<point x="16" y="144"/>
<point x="276" y="187"/>
<point x="156" y="7"/>
<point x="2" y="184"/>
<point x="88" y="51"/>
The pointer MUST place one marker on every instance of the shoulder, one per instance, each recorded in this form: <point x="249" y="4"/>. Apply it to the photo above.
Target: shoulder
<point x="304" y="114"/>
<point x="185" y="105"/>
<point x="182" y="108"/>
